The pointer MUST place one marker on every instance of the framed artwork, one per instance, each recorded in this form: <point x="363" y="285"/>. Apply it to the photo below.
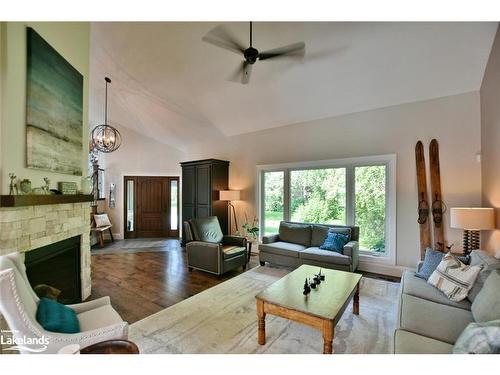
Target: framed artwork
<point x="54" y="110"/>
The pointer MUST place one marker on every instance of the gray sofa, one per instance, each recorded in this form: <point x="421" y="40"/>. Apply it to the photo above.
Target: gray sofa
<point x="428" y="322"/>
<point x="298" y="243"/>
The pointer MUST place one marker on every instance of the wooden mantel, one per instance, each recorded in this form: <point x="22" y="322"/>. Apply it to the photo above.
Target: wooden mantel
<point x="37" y="200"/>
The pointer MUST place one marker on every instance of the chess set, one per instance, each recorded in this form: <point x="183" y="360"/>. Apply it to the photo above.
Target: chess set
<point x="309" y="285"/>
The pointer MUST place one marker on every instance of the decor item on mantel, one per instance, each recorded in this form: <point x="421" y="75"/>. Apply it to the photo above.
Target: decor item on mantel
<point x="54" y="110"/>
<point x="106" y="138"/>
<point x="87" y="186"/>
<point x="25" y="186"/>
<point x="67" y="187"/>
<point x="472" y="221"/>
<point x="13" y="186"/>
<point x="229" y="196"/>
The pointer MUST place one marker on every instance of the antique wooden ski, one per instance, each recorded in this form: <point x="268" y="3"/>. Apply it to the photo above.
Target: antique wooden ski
<point x="437" y="207"/>
<point x="423" y="202"/>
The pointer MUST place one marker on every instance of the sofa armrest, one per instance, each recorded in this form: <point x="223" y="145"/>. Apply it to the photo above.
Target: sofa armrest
<point x="270" y="238"/>
<point x="91" y="305"/>
<point x="235" y="241"/>
<point x="204" y="255"/>
<point x="351" y="249"/>
<point x="419" y="265"/>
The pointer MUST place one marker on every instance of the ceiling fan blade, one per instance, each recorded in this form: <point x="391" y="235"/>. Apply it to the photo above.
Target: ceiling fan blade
<point x="247" y="71"/>
<point x="220" y="37"/>
<point x="237" y="75"/>
<point x="292" y="50"/>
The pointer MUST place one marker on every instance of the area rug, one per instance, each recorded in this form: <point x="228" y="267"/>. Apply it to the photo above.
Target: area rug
<point x="131" y="246"/>
<point x="223" y="319"/>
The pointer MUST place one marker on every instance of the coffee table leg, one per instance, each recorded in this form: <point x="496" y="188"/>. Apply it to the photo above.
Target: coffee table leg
<point x="261" y="318"/>
<point x="327" y="337"/>
<point x="355" y="301"/>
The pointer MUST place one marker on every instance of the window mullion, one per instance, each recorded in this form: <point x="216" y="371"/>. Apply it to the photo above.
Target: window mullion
<point x="286" y="194"/>
<point x="350" y="190"/>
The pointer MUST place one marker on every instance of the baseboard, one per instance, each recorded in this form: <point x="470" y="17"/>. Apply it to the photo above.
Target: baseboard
<point x="382" y="269"/>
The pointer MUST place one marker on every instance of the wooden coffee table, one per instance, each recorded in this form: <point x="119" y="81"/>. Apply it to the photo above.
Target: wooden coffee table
<point x="321" y="309"/>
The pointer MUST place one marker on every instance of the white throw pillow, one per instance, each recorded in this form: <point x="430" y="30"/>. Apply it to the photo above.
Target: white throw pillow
<point x="454" y="278"/>
<point x="102" y="220"/>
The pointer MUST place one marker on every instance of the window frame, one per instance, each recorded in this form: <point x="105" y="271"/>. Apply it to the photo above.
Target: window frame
<point x="389" y="160"/>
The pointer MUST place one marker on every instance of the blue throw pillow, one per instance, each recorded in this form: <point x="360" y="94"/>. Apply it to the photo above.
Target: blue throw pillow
<point x="335" y="241"/>
<point x="56" y="317"/>
<point x="431" y="261"/>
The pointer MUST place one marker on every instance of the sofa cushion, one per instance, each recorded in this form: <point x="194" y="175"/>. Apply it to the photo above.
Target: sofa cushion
<point x="282" y="248"/>
<point x="98" y="318"/>
<point x="431" y="261"/>
<point x="417" y="287"/>
<point x="324" y="256"/>
<point x="489" y="263"/>
<point x="231" y="251"/>
<point x="431" y="319"/>
<point x="479" y="338"/>
<point x="454" y="278"/>
<point x="410" y="343"/>
<point x="486" y="305"/>
<point x="295" y="233"/>
<point x="207" y="229"/>
<point x="319" y="233"/>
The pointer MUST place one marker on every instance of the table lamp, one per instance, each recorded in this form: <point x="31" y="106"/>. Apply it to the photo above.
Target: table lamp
<point x="472" y="221"/>
<point x="229" y="196"/>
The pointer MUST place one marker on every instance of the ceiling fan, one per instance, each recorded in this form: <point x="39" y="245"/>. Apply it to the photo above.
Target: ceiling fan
<point x="220" y="37"/>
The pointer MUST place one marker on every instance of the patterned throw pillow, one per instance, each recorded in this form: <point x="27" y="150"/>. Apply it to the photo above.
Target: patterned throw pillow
<point x="431" y="261"/>
<point x="335" y="241"/>
<point x="454" y="278"/>
<point x="479" y="338"/>
<point x="101" y="220"/>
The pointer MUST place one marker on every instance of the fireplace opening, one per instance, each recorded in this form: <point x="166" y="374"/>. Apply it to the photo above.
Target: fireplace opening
<point x="57" y="265"/>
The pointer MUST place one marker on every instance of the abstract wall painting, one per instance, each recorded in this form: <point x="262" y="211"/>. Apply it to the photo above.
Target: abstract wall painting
<point x="54" y="110"/>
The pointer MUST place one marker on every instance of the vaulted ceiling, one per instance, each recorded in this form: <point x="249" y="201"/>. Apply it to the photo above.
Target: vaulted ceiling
<point x="170" y="85"/>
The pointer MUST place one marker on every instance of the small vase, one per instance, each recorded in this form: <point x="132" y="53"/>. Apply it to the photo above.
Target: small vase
<point x="25" y="186"/>
<point x="87" y="185"/>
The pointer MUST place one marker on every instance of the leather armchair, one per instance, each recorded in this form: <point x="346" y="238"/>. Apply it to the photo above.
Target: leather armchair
<point x="209" y="250"/>
<point x="18" y="305"/>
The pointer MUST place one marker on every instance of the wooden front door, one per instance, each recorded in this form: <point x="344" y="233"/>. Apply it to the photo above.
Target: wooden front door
<point x="151" y="206"/>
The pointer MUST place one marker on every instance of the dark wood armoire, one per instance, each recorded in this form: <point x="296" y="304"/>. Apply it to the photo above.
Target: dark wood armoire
<point x="201" y="182"/>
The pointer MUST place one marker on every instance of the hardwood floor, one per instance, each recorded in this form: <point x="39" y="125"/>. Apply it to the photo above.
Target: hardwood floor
<point x="143" y="283"/>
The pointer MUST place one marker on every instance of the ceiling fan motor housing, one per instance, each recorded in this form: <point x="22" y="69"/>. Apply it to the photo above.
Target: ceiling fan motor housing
<point x="251" y="55"/>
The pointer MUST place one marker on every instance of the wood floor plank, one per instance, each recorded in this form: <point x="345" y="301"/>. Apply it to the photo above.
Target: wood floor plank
<point x="141" y="282"/>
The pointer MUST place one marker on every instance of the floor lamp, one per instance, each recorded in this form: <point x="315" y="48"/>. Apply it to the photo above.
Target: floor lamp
<point x="472" y="221"/>
<point x="229" y="196"/>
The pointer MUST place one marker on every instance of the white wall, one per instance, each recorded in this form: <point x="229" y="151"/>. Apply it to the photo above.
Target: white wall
<point x="490" y="142"/>
<point x="138" y="156"/>
<point x="71" y="40"/>
<point x="454" y="121"/>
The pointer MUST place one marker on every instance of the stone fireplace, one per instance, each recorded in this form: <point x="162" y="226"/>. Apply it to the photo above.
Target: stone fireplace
<point x="28" y="228"/>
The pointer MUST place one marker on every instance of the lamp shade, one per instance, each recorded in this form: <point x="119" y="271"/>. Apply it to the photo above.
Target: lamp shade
<point x="473" y="218"/>
<point x="229" y="195"/>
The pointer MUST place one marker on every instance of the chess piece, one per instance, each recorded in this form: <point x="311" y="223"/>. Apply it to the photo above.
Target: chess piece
<point x="313" y="284"/>
<point x="321" y="276"/>
<point x="307" y="289"/>
<point x="317" y="280"/>
<point x="13" y="187"/>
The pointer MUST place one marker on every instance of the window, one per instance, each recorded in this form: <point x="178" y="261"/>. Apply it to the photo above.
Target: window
<point x="273" y="187"/>
<point x="174" y="225"/>
<point x="358" y="191"/>
<point x="318" y="195"/>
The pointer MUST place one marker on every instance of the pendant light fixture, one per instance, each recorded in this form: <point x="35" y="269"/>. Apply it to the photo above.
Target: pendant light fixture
<point x="106" y="138"/>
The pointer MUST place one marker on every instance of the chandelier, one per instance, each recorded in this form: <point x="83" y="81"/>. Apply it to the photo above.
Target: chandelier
<point x="106" y="138"/>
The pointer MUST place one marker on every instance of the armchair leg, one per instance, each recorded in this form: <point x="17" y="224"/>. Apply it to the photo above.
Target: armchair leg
<point x="190" y="269"/>
<point x="262" y="263"/>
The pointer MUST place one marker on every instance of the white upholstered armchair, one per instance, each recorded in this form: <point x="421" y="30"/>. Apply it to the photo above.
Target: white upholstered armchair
<point x="18" y="305"/>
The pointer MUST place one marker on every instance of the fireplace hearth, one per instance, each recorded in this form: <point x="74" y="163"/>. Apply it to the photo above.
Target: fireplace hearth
<point x="57" y="265"/>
